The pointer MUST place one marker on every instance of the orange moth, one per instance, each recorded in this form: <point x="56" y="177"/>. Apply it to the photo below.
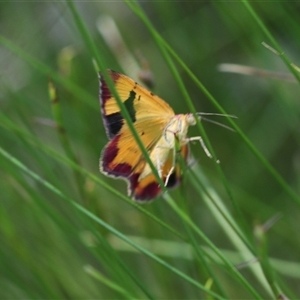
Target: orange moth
<point x="163" y="134"/>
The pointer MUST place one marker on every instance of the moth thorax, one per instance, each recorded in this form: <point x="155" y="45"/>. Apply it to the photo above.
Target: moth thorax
<point x="190" y="119"/>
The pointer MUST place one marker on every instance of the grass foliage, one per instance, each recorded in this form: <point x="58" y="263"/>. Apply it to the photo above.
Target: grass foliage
<point x="230" y="231"/>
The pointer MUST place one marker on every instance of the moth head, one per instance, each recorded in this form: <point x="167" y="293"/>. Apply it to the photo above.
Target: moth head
<point x="190" y="119"/>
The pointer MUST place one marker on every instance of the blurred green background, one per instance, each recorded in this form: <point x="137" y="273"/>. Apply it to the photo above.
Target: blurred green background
<point x="49" y="248"/>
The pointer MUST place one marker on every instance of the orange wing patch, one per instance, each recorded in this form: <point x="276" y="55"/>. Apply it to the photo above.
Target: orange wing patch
<point x="141" y="104"/>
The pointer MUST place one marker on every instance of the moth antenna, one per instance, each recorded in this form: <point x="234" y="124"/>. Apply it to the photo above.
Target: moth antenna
<point x="216" y="114"/>
<point x="217" y="123"/>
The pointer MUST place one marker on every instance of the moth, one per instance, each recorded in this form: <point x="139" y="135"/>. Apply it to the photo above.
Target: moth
<point x="163" y="133"/>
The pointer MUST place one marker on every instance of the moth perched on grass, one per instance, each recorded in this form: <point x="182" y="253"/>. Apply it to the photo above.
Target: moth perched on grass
<point x="163" y="134"/>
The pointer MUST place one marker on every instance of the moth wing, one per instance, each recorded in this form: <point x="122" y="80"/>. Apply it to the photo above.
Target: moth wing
<point x="140" y="103"/>
<point x="122" y="155"/>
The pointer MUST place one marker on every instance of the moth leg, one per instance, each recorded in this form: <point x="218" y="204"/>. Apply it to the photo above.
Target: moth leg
<point x="176" y="151"/>
<point x="173" y="148"/>
<point x="169" y="174"/>
<point x="172" y="168"/>
<point x="199" y="138"/>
